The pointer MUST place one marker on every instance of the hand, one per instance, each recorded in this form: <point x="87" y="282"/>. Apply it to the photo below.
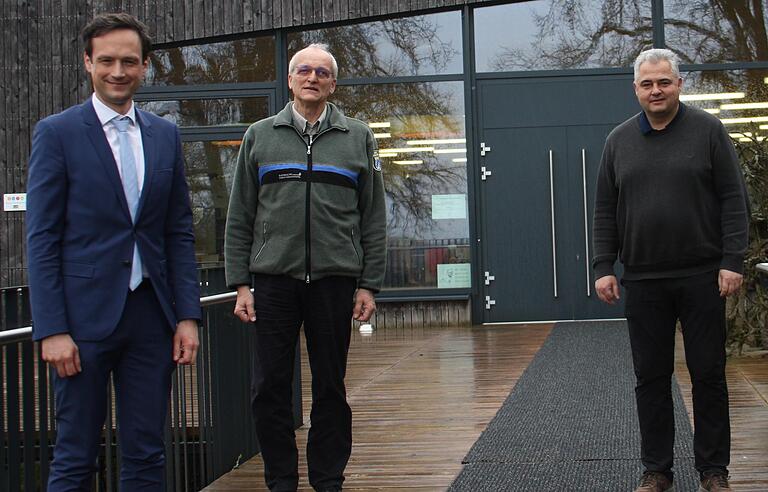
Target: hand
<point x="62" y="352"/>
<point x="729" y="282"/>
<point x="607" y="289"/>
<point x="185" y="342"/>
<point x="244" y="304"/>
<point x="365" y="305"/>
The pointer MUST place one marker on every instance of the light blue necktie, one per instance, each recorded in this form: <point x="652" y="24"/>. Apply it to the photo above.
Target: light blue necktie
<point x="130" y="188"/>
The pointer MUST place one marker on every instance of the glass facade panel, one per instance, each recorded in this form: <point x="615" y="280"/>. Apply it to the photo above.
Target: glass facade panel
<point x="210" y="112"/>
<point x="420" y="45"/>
<point x="716" y="31"/>
<point x="420" y="132"/>
<point x="738" y="97"/>
<point x="243" y="60"/>
<point x="555" y="35"/>
<point x="210" y="167"/>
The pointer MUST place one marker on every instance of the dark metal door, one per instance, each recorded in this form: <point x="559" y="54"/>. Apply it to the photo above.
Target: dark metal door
<point x="541" y="142"/>
<point x="524" y="229"/>
<point x="585" y="147"/>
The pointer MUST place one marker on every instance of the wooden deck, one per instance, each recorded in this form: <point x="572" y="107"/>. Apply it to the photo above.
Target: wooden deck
<point x="748" y="394"/>
<point x="421" y="397"/>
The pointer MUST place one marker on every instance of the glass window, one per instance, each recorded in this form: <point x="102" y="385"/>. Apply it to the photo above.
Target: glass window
<point x="420" y="132"/>
<point x="554" y="35"/>
<point x="721" y="31"/>
<point x="738" y="97"/>
<point x="243" y="60"/>
<point x="420" y="45"/>
<point x="210" y="112"/>
<point x="210" y="167"/>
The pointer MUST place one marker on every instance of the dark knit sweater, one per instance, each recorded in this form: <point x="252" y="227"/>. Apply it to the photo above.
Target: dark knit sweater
<point x="670" y="203"/>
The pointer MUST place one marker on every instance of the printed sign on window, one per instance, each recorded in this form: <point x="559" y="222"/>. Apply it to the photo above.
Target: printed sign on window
<point x="453" y="275"/>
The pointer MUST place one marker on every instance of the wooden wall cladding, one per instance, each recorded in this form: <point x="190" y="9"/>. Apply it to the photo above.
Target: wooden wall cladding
<point x="410" y="315"/>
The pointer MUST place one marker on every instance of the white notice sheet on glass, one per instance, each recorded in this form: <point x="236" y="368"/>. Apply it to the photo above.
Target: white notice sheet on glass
<point x="453" y="276"/>
<point x="449" y="206"/>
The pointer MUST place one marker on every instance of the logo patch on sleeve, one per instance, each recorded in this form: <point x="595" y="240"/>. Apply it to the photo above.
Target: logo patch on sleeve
<point x="376" y="161"/>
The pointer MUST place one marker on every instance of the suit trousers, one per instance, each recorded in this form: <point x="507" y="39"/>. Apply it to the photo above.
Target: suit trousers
<point x="652" y="309"/>
<point x="324" y="306"/>
<point x="138" y="354"/>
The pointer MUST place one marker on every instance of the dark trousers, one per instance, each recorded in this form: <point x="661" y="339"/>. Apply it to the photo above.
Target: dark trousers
<point x="324" y="306"/>
<point x="139" y="356"/>
<point x="652" y="309"/>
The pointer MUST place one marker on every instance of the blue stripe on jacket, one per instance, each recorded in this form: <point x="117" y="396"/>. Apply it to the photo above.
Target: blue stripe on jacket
<point x="303" y="167"/>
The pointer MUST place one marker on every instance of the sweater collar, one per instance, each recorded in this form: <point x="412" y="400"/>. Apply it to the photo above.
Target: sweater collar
<point x="333" y="118"/>
<point x="647" y="129"/>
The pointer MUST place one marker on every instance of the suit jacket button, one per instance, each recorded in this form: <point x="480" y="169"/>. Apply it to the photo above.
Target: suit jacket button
<point x="126" y="262"/>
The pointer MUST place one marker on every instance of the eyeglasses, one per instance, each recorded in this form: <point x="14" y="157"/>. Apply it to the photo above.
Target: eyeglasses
<point x="306" y="71"/>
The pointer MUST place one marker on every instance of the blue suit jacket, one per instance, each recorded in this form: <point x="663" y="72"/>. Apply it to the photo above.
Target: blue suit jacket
<point x="79" y="232"/>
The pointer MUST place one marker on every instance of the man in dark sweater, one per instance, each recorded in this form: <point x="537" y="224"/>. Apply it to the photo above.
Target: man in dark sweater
<point x="671" y="204"/>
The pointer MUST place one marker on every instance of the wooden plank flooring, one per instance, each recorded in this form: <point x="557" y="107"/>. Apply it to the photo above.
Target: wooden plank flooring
<point x="748" y="396"/>
<point x="421" y="397"/>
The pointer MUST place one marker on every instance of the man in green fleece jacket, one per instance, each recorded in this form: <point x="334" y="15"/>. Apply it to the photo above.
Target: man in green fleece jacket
<point x="306" y="228"/>
<point x="671" y="204"/>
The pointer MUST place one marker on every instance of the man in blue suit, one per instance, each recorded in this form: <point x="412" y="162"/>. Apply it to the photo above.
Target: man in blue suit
<point x="112" y="271"/>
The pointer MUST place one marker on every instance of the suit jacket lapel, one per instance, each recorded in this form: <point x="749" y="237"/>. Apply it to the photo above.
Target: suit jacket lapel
<point x="98" y="139"/>
<point x="150" y="152"/>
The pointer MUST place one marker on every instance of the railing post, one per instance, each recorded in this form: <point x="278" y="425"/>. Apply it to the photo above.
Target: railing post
<point x="42" y="398"/>
<point x="4" y="433"/>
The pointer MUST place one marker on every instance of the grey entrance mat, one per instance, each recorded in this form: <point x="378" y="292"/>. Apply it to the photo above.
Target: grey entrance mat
<point x="570" y="422"/>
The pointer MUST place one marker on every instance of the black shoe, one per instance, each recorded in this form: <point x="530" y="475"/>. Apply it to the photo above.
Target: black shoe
<point x="654" y="482"/>
<point x="715" y="483"/>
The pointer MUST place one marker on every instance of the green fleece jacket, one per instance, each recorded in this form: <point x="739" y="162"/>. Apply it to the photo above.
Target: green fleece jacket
<point x="307" y="208"/>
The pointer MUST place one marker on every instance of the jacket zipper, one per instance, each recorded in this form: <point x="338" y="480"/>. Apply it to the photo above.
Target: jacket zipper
<point x="308" y="243"/>
<point x="307" y="237"/>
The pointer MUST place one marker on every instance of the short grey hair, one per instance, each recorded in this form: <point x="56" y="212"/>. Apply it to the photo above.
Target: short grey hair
<point x="317" y="46"/>
<point x="657" y="55"/>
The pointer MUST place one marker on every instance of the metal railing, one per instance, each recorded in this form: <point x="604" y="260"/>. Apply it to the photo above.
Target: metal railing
<point x="209" y="428"/>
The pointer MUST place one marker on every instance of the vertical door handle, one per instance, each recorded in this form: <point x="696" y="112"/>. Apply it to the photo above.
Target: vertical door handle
<point x="552" y="214"/>
<point x="586" y="220"/>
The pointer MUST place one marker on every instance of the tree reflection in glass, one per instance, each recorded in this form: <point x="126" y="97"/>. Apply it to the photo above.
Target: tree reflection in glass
<point x="210" y="112"/>
<point x="561" y="34"/>
<point x="243" y="60"/>
<point x="238" y="61"/>
<point x="402" y="115"/>
<point x="420" y="45"/>
<point x="209" y="169"/>
<point x="716" y="31"/>
<point x="421" y="138"/>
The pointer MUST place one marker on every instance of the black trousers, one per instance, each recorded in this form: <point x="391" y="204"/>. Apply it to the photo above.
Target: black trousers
<point x="324" y="306"/>
<point x="652" y="309"/>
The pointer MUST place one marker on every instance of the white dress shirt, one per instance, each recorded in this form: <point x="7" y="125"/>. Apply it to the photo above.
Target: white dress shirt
<point x="106" y="115"/>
